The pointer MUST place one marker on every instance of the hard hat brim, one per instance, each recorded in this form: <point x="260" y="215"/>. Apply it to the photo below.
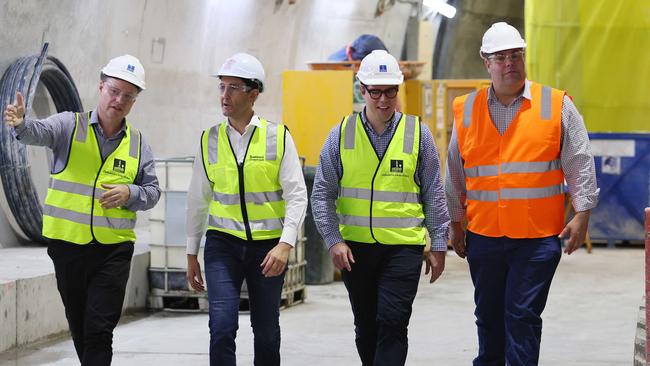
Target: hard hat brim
<point x="129" y="78"/>
<point x="381" y="81"/>
<point x="235" y="75"/>
<point x="504" y="47"/>
<point x="225" y="73"/>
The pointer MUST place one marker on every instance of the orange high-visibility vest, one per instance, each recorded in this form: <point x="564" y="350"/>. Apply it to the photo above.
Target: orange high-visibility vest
<point x="514" y="182"/>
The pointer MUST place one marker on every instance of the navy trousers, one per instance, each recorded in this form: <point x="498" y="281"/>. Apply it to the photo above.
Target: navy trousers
<point x="228" y="261"/>
<point x="512" y="278"/>
<point x="382" y="286"/>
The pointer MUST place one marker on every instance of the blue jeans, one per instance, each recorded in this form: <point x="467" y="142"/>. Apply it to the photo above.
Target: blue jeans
<point x="382" y="286"/>
<point x="228" y="261"/>
<point x="512" y="278"/>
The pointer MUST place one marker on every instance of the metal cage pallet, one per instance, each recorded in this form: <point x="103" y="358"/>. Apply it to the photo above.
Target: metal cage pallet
<point x="169" y="290"/>
<point x="293" y="291"/>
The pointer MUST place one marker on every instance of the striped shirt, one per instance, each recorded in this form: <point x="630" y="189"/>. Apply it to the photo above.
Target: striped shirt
<point x="328" y="175"/>
<point x="575" y="155"/>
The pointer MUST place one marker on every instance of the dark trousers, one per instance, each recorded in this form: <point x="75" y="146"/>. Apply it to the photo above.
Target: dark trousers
<point x="228" y="261"/>
<point x="382" y="286"/>
<point x="512" y="278"/>
<point x="92" y="281"/>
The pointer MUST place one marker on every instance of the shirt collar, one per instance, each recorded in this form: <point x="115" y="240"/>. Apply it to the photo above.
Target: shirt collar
<point x="255" y="121"/>
<point x="364" y="120"/>
<point x="526" y="93"/>
<point x="94" y="120"/>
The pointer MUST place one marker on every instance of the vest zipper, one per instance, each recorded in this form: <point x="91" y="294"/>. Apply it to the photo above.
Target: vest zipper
<point x="242" y="195"/>
<point x="372" y="182"/>
<point x="242" y="192"/>
<point x="372" y="194"/>
<point x="92" y="202"/>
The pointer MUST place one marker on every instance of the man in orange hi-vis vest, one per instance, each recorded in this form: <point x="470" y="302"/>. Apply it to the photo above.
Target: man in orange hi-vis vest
<point x="513" y="146"/>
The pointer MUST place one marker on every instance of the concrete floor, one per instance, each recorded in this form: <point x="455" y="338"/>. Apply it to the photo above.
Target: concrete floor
<point x="590" y="319"/>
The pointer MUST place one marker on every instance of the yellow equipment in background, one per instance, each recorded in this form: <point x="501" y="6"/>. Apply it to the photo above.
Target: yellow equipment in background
<point x="432" y="101"/>
<point x="598" y="51"/>
<point x="312" y="103"/>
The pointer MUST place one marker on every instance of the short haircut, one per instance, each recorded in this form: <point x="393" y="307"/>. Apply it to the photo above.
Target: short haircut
<point x="253" y="84"/>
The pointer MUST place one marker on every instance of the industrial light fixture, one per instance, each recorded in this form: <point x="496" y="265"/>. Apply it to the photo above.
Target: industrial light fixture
<point x="441" y="7"/>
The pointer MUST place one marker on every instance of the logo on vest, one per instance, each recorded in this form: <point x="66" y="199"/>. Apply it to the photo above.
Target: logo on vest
<point x="396" y="166"/>
<point x="119" y="165"/>
<point x="256" y="157"/>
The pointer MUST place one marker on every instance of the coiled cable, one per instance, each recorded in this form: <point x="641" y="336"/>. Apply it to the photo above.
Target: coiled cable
<point x="22" y="197"/>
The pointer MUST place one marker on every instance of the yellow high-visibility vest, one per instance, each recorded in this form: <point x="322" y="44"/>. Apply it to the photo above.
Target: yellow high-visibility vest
<point x="72" y="211"/>
<point x="379" y="200"/>
<point x="247" y="199"/>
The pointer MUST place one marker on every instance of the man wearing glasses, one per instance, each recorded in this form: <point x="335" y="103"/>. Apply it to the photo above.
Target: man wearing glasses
<point x="512" y="147"/>
<point x="102" y="172"/>
<point x="248" y="185"/>
<point x="377" y="190"/>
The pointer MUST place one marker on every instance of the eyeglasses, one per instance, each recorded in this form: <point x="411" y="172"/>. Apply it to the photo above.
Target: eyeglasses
<point x="375" y="94"/>
<point x="499" y="58"/>
<point x="116" y="93"/>
<point x="234" y="88"/>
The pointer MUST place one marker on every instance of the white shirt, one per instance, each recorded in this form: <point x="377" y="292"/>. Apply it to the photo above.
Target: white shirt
<point x="294" y="191"/>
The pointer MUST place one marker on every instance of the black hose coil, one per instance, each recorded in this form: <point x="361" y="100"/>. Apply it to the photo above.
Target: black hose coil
<point x="19" y="189"/>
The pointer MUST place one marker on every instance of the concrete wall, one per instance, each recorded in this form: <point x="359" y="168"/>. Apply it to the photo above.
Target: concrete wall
<point x="31" y="307"/>
<point x="182" y="42"/>
<point x="7" y="314"/>
<point x="458" y="51"/>
<point x="39" y="310"/>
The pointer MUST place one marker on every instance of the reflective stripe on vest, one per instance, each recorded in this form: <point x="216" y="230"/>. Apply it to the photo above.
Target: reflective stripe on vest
<point x="256" y="210"/>
<point x="379" y="201"/>
<point x="366" y="194"/>
<point x="252" y="197"/>
<point x="514" y="193"/>
<point x="514" y="181"/>
<point x="381" y="222"/>
<point x="72" y="211"/>
<point x="82" y="218"/>
<point x="229" y="224"/>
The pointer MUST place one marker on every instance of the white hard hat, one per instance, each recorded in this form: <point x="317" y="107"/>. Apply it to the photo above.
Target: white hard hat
<point x="380" y="68"/>
<point x="127" y="68"/>
<point x="245" y="66"/>
<point x="501" y="36"/>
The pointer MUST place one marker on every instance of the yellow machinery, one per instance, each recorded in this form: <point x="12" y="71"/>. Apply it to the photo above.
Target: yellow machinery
<point x="313" y="102"/>
<point x="419" y="99"/>
<point x="432" y="101"/>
